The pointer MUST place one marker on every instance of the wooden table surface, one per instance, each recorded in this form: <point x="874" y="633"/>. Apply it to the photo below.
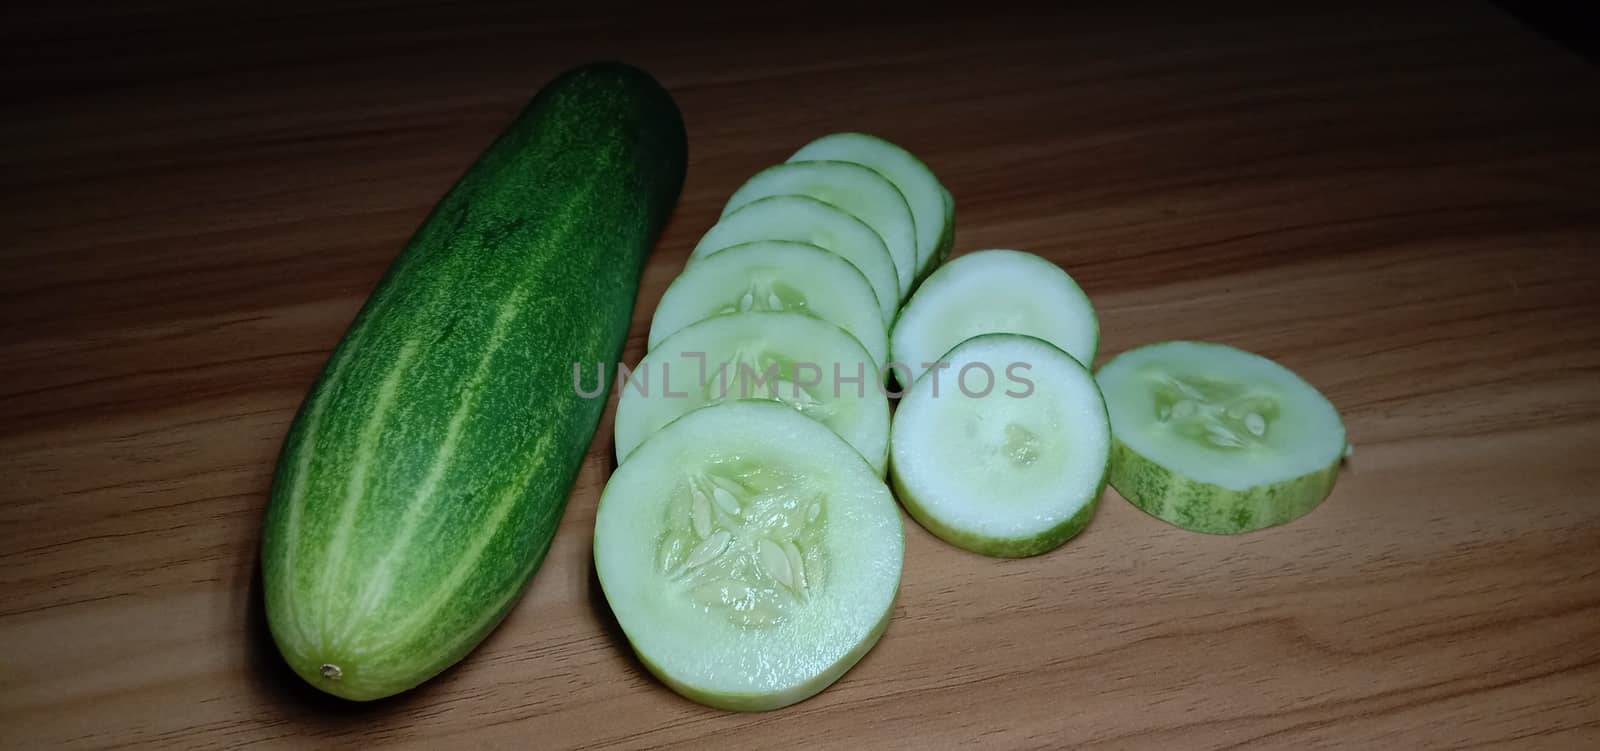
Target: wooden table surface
<point x="1402" y="204"/>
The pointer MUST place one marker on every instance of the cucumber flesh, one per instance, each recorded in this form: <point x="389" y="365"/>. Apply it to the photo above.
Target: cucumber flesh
<point x="774" y="275"/>
<point x="805" y="219"/>
<point x="1215" y="439"/>
<point x="790" y="357"/>
<point x="994" y="291"/>
<point x="908" y="173"/>
<point x="1005" y="452"/>
<point x="750" y="555"/>
<point x="857" y="190"/>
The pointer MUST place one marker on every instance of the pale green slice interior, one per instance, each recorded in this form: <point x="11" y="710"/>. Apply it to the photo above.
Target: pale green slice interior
<point x="774" y="275"/>
<point x="994" y="291"/>
<point x="808" y="220"/>
<point x="916" y="182"/>
<point x="1005" y="452"/>
<point x="750" y="555"/>
<point x="1218" y="439"/>
<point x="807" y="363"/>
<point x="1220" y="415"/>
<point x="860" y="191"/>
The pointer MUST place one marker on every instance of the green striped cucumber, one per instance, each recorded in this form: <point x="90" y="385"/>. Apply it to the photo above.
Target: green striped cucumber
<point x="423" y="478"/>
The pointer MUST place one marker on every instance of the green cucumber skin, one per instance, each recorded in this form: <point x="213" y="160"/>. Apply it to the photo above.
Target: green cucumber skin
<point x="425" y="473"/>
<point x="1204" y="507"/>
<point x="1000" y="547"/>
<point x="947" y="241"/>
<point x="941" y="251"/>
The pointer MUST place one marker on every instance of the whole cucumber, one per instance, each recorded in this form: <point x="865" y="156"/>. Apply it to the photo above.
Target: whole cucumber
<point x="425" y="474"/>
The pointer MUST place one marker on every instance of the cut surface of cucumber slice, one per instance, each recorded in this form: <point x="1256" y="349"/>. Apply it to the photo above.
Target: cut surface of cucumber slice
<point x="750" y="555"/>
<point x="802" y="361"/>
<point x="805" y="219"/>
<point x="774" y="275"/>
<point x="994" y="291"/>
<point x="1004" y="453"/>
<point x="1216" y="439"/>
<point x="857" y="190"/>
<point x="916" y="182"/>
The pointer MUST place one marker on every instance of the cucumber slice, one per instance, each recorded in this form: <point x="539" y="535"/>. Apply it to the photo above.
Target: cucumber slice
<point x="790" y="357"/>
<point x="994" y="291"/>
<point x="858" y="190"/>
<point x="915" y="181"/>
<point x="1005" y="452"/>
<point x="774" y="275"/>
<point x="749" y="555"/>
<point x="949" y="241"/>
<point x="1216" y="439"/>
<point x="805" y="219"/>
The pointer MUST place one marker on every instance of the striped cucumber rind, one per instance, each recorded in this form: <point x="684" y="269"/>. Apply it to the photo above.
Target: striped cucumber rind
<point x="947" y="241"/>
<point x="1203" y="507"/>
<point x="424" y="475"/>
<point x="1215" y="439"/>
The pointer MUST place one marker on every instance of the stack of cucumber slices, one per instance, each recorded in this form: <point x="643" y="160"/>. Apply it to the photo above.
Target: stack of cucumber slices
<point x="1004" y="442"/>
<point x="1000" y="445"/>
<point x="748" y="542"/>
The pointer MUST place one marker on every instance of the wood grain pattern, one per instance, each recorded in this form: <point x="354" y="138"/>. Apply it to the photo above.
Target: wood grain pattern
<point x="1402" y="204"/>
